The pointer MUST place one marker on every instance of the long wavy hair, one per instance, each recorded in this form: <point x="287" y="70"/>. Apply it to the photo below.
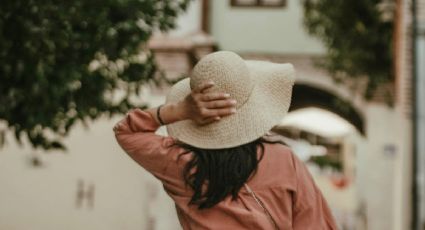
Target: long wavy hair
<point x="213" y="174"/>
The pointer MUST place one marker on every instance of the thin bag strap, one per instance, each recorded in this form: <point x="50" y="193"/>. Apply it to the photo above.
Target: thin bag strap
<point x="269" y="216"/>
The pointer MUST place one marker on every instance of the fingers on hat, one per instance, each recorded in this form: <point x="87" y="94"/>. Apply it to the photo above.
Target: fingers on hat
<point x="214" y="96"/>
<point x="221" y="112"/>
<point x="220" y="104"/>
<point x="204" y="86"/>
<point x="210" y="120"/>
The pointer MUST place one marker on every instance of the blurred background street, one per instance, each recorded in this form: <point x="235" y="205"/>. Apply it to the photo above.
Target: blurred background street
<point x="69" y="73"/>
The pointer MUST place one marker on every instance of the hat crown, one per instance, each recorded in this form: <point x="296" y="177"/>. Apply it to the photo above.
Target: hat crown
<point x="229" y="73"/>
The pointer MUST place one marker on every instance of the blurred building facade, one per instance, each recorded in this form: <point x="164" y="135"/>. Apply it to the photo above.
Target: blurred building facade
<point x="272" y="30"/>
<point x="96" y="186"/>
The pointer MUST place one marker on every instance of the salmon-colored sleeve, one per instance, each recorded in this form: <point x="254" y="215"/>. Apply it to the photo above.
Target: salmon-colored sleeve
<point x="310" y="209"/>
<point x="136" y="135"/>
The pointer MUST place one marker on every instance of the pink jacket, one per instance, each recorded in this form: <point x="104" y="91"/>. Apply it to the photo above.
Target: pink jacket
<point x="282" y="183"/>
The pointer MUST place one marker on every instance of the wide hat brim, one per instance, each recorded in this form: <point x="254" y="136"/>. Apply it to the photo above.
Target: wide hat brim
<point x="266" y="106"/>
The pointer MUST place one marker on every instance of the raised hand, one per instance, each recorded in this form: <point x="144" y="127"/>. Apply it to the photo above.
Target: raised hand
<point x="204" y="107"/>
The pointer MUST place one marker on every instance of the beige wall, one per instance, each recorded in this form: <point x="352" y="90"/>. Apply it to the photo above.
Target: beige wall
<point x="189" y="22"/>
<point x="266" y="30"/>
<point x="385" y="169"/>
<point x="126" y="196"/>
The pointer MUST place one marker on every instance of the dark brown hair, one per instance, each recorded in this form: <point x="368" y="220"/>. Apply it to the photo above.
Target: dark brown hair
<point x="213" y="174"/>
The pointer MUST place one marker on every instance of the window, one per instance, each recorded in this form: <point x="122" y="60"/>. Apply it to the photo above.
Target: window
<point x="258" y="3"/>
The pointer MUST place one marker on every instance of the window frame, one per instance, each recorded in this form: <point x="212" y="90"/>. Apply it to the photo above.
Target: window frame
<point x="258" y="4"/>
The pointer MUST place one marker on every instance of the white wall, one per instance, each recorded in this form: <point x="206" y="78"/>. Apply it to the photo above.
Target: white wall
<point x="265" y="30"/>
<point x="126" y="196"/>
<point x="383" y="183"/>
<point x="188" y="22"/>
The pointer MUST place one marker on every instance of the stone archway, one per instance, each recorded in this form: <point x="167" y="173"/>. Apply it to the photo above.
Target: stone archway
<point x="309" y="96"/>
<point x="314" y="87"/>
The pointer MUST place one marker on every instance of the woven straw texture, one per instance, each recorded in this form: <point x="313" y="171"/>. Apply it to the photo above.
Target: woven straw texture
<point x="262" y="89"/>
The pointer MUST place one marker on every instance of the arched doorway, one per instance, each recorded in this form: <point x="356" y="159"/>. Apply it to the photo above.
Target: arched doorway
<point x="304" y="95"/>
<point x="327" y="132"/>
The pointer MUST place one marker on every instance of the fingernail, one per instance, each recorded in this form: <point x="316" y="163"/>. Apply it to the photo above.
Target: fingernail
<point x="234" y="102"/>
<point x="217" y="118"/>
<point x="233" y="111"/>
<point x="227" y="95"/>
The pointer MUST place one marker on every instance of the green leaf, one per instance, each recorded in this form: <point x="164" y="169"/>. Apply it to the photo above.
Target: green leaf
<point x="358" y="39"/>
<point x="46" y="48"/>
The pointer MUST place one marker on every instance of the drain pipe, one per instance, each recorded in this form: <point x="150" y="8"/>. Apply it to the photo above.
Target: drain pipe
<point x="415" y="154"/>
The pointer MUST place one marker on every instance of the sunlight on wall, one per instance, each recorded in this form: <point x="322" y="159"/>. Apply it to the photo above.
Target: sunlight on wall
<point x="318" y="121"/>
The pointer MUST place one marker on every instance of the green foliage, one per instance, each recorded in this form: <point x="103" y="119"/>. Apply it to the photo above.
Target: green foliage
<point x="358" y="36"/>
<point x="66" y="61"/>
<point x="326" y="161"/>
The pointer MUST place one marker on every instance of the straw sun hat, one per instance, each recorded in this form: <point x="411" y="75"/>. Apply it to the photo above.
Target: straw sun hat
<point x="262" y="90"/>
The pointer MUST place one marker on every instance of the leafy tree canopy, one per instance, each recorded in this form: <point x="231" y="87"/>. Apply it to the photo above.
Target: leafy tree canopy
<point x="62" y="61"/>
<point x="358" y="35"/>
